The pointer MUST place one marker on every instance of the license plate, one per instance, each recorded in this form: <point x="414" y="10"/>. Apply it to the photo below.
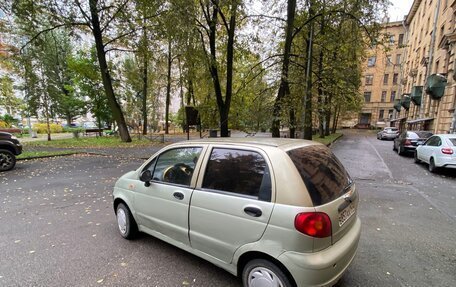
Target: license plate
<point x="419" y="142"/>
<point x="346" y="214"/>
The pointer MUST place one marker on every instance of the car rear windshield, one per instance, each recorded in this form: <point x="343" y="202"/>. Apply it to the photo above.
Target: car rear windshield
<point x="324" y="176"/>
<point x="419" y="134"/>
<point x="452" y="140"/>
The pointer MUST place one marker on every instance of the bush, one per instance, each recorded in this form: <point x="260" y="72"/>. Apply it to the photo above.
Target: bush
<point x="42" y="128"/>
<point x="2" y="124"/>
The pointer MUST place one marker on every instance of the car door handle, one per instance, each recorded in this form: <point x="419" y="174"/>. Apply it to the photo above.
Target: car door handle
<point x="253" y="211"/>
<point x="178" y="195"/>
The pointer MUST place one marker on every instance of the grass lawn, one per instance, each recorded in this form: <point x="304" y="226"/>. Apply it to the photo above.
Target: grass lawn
<point x="89" y="142"/>
<point x="327" y="140"/>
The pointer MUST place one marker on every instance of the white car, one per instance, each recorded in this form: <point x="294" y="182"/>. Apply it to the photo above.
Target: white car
<point x="438" y="151"/>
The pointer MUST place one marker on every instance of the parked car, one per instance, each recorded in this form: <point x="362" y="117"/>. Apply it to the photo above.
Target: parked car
<point x="407" y="141"/>
<point x="275" y="212"/>
<point x="10" y="147"/>
<point x="389" y="133"/>
<point x="438" y="151"/>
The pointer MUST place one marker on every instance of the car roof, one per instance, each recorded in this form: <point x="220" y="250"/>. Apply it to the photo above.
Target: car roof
<point x="446" y="135"/>
<point x="283" y="143"/>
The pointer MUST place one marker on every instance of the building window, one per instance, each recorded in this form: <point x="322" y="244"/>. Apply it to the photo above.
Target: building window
<point x="388" y="60"/>
<point x="381" y="114"/>
<point x="385" y="79"/>
<point x="393" y="96"/>
<point x="367" y="97"/>
<point x="383" y="98"/>
<point x="390" y="114"/>
<point x="371" y="61"/>
<point x="437" y="64"/>
<point x="391" y="39"/>
<point x="398" y="59"/>
<point x="395" y="76"/>
<point x="369" y="80"/>
<point x="400" y="40"/>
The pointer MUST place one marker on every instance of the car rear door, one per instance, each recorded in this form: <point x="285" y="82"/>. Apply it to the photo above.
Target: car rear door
<point x="232" y="204"/>
<point x="429" y="148"/>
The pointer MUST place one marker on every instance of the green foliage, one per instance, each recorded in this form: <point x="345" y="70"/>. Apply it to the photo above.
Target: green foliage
<point x="6" y="121"/>
<point x="42" y="128"/>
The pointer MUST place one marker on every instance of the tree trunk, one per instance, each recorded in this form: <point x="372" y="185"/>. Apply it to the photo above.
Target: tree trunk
<point x="105" y="74"/>
<point x="328" y="100"/>
<point x="222" y="105"/>
<point x="307" y="121"/>
<point x="321" y="96"/>
<point x="284" y="89"/>
<point x="168" y="88"/>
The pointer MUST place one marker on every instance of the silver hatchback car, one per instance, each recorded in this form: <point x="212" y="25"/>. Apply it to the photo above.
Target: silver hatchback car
<point x="275" y="212"/>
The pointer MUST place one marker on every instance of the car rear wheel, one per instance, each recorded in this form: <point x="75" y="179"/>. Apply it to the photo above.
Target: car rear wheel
<point x="261" y="272"/>
<point x="432" y="166"/>
<point x="417" y="160"/>
<point x="7" y="160"/>
<point x="126" y="223"/>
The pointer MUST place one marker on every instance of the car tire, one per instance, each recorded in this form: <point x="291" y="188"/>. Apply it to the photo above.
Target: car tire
<point x="7" y="160"/>
<point x="431" y="166"/>
<point x="415" y="157"/>
<point x="125" y="222"/>
<point x="263" y="271"/>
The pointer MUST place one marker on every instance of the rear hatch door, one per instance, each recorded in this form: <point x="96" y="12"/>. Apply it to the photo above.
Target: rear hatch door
<point x="329" y="185"/>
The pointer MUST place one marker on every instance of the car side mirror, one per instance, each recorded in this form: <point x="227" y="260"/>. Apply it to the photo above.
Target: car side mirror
<point x="146" y="177"/>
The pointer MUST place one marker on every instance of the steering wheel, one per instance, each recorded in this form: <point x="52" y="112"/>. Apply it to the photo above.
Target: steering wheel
<point x="178" y="173"/>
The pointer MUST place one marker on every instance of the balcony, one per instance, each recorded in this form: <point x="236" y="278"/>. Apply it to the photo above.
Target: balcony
<point x="435" y="86"/>
<point x="416" y="94"/>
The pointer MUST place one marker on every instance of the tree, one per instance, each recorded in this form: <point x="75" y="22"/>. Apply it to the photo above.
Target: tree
<point x="7" y="98"/>
<point x="213" y="12"/>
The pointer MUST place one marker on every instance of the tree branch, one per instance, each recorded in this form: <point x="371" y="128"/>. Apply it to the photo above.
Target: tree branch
<point x="114" y="15"/>
<point x="51" y="29"/>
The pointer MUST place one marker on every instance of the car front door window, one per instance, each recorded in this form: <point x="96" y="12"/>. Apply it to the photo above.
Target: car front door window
<point x="176" y="166"/>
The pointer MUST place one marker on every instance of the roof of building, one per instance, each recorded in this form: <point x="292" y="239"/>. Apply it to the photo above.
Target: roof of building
<point x="412" y="12"/>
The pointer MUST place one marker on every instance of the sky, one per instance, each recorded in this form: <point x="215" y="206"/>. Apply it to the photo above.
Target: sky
<point x="398" y="9"/>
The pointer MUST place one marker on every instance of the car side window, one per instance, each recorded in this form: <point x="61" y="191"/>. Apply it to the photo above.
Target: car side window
<point x="238" y="171"/>
<point x="433" y="141"/>
<point x="176" y="166"/>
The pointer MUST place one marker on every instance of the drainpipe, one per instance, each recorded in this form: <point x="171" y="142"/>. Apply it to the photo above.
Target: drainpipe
<point x="401" y="68"/>
<point x="431" y="58"/>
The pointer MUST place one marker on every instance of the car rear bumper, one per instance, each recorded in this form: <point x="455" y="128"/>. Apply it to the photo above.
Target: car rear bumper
<point x="323" y="268"/>
<point x="445" y="161"/>
<point x="389" y="136"/>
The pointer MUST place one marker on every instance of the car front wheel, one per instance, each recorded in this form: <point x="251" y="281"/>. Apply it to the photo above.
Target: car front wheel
<point x="261" y="272"/>
<point x="126" y="223"/>
<point x="7" y="160"/>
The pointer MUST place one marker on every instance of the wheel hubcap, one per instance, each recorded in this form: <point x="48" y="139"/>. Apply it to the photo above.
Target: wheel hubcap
<point x="263" y="277"/>
<point x="122" y="220"/>
<point x="5" y="160"/>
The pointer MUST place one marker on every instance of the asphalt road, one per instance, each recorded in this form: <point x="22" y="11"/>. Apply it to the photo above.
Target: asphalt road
<point x="58" y="226"/>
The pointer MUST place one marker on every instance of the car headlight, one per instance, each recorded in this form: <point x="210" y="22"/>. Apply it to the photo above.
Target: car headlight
<point x="14" y="137"/>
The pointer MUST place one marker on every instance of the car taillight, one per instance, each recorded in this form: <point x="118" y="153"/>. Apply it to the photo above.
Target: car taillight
<point x="407" y="142"/>
<point x="315" y="224"/>
<point x="447" y="150"/>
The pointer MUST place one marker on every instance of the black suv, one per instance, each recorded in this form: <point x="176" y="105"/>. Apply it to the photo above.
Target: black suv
<point x="10" y="147"/>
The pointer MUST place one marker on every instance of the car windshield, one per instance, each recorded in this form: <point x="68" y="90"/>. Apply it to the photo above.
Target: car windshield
<point x="324" y="176"/>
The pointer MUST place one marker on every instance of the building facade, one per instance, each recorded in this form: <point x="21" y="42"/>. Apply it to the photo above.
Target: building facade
<point x="428" y="96"/>
<point x="381" y="77"/>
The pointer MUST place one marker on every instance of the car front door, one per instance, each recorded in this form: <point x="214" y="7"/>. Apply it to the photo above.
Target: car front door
<point x="231" y="205"/>
<point x="162" y="207"/>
